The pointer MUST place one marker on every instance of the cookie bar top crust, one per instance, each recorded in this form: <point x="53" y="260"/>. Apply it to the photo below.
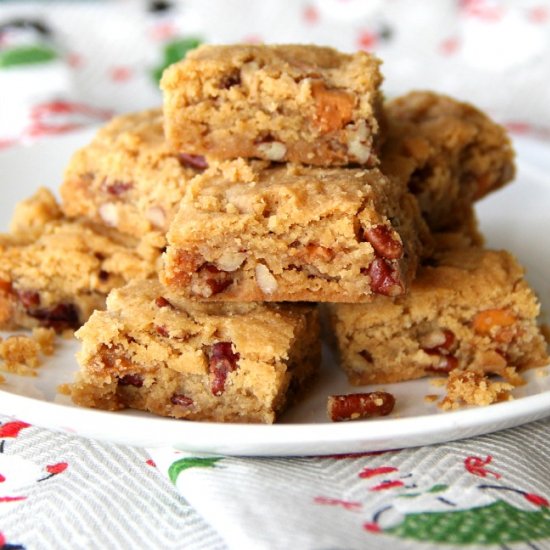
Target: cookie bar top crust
<point x="154" y="351"/>
<point x="449" y="154"/>
<point x="291" y="233"/>
<point x="58" y="271"/>
<point x="471" y="309"/>
<point x="305" y="104"/>
<point x="127" y="178"/>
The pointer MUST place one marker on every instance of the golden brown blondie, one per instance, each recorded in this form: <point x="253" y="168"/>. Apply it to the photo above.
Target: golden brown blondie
<point x="54" y="272"/>
<point x="253" y="231"/>
<point x="153" y="351"/>
<point x="448" y="153"/>
<point x="470" y="309"/>
<point x="127" y="178"/>
<point x="296" y="103"/>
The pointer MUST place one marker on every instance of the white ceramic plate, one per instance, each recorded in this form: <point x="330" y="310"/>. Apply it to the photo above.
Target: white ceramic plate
<point x="515" y="218"/>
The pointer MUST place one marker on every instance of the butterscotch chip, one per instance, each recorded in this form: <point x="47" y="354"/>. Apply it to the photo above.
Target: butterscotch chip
<point x="473" y="309"/>
<point x="304" y="104"/>
<point x="153" y="351"/>
<point x="292" y="233"/>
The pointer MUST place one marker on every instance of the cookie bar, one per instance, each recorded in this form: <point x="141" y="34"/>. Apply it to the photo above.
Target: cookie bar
<point x="258" y="232"/>
<point x="472" y="309"/>
<point x="56" y="272"/>
<point x="154" y="351"/>
<point x="449" y="154"/>
<point x="304" y="104"/>
<point x="127" y="178"/>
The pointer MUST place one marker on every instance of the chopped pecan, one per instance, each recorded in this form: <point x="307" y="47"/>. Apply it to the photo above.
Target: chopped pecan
<point x="59" y="317"/>
<point x="221" y="361"/>
<point x="444" y="364"/>
<point x="359" y="405"/>
<point x="181" y="400"/>
<point x="161" y="301"/>
<point x="384" y="278"/>
<point x="384" y="241"/>
<point x="116" y="187"/>
<point x="131" y="380"/>
<point x="198" y="162"/>
<point x="439" y="341"/>
<point x="216" y="279"/>
<point x="162" y="331"/>
<point x="29" y="298"/>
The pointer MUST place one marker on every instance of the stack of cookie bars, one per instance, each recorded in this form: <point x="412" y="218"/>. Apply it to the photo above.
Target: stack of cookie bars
<point x="276" y="178"/>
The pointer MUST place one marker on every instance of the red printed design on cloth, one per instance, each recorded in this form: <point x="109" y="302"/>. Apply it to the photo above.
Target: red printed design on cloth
<point x="476" y="465"/>
<point x="12" y="429"/>
<point x="345" y="504"/>
<point x="57" y="468"/>
<point x="371" y="472"/>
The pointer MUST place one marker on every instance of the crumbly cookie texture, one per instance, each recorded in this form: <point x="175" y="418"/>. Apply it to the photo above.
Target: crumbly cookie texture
<point x="474" y="387"/>
<point x="153" y="351"/>
<point x="470" y="309"/>
<point x="449" y="153"/>
<point x="20" y="355"/>
<point x="56" y="274"/>
<point x="304" y="104"/>
<point x="252" y="231"/>
<point x="127" y="178"/>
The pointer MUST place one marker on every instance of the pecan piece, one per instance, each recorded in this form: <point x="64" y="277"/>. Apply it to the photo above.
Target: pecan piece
<point x="59" y="317"/>
<point x="181" y="400"/>
<point x="116" y="187"/>
<point x="198" y="162"/>
<point x="444" y="365"/>
<point x="162" y="331"/>
<point x="384" y="241"/>
<point x="216" y="279"/>
<point x="438" y="341"/>
<point x="161" y="301"/>
<point x="359" y="405"/>
<point x="384" y="278"/>
<point x="221" y="361"/>
<point x="29" y="298"/>
<point x="131" y="380"/>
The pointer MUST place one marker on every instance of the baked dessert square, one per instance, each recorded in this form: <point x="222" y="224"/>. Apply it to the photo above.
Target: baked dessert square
<point x="448" y="153"/>
<point x="304" y="104"/>
<point x="153" y="351"/>
<point x="55" y="272"/>
<point x="470" y="309"/>
<point x="127" y="178"/>
<point x="259" y="232"/>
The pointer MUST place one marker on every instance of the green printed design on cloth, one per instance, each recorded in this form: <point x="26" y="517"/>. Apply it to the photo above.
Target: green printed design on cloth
<point x="498" y="523"/>
<point x="185" y="463"/>
<point x="175" y="51"/>
<point x="26" y="55"/>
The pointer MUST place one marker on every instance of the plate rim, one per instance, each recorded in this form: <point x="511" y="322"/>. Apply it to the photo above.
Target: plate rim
<point x="466" y="422"/>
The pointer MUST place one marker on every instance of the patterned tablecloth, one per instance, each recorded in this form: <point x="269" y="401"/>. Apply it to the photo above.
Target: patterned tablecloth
<point x="65" y="65"/>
